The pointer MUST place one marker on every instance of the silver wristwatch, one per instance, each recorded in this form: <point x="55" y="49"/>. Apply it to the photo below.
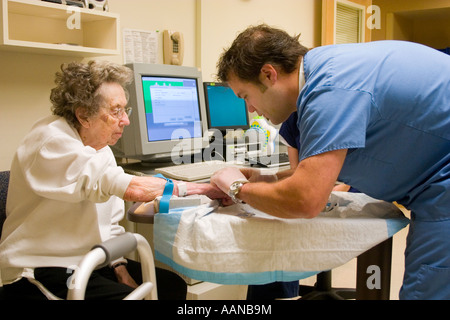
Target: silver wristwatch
<point x="235" y="188"/>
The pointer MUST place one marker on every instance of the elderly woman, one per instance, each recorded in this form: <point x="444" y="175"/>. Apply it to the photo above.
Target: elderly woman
<point x="66" y="192"/>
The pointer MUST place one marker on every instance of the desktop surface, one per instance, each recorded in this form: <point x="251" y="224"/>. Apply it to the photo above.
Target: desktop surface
<point x="196" y="171"/>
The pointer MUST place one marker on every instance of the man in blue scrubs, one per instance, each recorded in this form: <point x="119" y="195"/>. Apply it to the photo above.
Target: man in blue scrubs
<point x="375" y="116"/>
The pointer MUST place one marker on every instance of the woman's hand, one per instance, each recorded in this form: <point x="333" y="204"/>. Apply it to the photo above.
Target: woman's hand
<point x="144" y="189"/>
<point x="124" y="277"/>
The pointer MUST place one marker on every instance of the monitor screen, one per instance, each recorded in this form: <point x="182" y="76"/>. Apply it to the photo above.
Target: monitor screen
<point x="168" y="121"/>
<point x="224" y="109"/>
<point x="171" y="103"/>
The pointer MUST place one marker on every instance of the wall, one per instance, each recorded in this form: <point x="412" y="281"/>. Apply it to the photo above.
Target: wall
<point x="159" y="15"/>
<point x="221" y="21"/>
<point x="25" y="83"/>
<point x="208" y="26"/>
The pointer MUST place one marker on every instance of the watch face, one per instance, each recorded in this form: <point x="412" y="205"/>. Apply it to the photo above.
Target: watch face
<point x="234" y="188"/>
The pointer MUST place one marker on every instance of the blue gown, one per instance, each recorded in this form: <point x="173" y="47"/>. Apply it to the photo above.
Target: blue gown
<point x="388" y="103"/>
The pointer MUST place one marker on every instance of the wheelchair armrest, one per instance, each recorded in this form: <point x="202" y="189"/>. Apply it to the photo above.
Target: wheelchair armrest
<point x="108" y="251"/>
<point x="117" y="247"/>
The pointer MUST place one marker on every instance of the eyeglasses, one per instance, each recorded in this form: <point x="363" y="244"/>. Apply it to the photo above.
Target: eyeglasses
<point x="118" y="112"/>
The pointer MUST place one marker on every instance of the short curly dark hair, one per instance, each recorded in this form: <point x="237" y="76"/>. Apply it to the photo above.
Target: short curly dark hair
<point x="77" y="86"/>
<point x="256" y="46"/>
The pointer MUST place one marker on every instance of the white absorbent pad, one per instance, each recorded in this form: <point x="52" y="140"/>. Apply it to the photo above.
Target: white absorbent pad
<point x="241" y="245"/>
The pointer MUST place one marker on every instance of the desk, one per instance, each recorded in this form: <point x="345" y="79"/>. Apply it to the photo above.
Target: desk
<point x="143" y="225"/>
<point x="379" y="255"/>
<point x="140" y="169"/>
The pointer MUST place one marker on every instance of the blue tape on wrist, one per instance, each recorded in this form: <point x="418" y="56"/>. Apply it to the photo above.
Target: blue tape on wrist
<point x="167" y="194"/>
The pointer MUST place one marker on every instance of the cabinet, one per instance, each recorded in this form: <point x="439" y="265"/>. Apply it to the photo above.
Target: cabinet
<point x="42" y="27"/>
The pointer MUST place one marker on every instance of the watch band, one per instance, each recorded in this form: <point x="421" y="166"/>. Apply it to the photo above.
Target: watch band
<point x="118" y="264"/>
<point x="235" y="188"/>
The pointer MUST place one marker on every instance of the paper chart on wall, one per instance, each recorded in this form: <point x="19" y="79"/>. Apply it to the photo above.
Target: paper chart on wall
<point x="140" y="46"/>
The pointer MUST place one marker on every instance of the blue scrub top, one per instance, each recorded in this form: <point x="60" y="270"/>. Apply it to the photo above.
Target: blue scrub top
<point x="289" y="131"/>
<point x="388" y="103"/>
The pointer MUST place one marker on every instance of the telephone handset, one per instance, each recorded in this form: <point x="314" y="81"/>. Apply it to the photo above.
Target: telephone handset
<point x="173" y="47"/>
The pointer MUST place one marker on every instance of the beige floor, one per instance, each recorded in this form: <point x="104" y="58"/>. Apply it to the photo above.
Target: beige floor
<point x="345" y="276"/>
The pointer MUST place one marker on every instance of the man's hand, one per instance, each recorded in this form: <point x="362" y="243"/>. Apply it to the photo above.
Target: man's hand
<point x="257" y="175"/>
<point x="225" y="177"/>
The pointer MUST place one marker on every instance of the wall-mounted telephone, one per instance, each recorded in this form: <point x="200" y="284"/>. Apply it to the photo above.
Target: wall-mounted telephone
<point x="173" y="47"/>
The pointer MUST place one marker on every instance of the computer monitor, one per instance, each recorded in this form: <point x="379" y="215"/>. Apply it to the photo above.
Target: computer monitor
<point x="227" y="122"/>
<point x="168" y="120"/>
<point x="224" y="109"/>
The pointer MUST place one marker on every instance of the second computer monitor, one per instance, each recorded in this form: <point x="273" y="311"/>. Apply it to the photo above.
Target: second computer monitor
<point x="224" y="109"/>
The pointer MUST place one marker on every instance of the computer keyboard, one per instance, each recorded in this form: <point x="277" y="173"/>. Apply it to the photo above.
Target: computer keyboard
<point x="276" y="159"/>
<point x="194" y="171"/>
